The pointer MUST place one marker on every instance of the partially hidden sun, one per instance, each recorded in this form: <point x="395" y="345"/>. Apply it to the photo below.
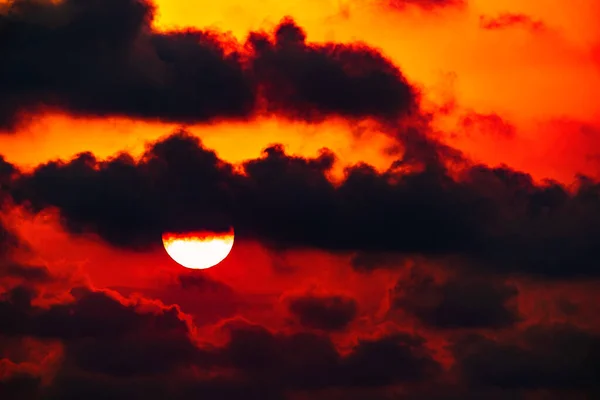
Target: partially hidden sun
<point x="198" y="250"/>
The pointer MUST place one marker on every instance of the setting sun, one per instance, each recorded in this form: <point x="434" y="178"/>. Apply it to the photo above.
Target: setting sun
<point x="198" y="250"/>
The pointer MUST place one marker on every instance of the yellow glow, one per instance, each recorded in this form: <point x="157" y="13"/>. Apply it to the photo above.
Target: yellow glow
<point x="198" y="250"/>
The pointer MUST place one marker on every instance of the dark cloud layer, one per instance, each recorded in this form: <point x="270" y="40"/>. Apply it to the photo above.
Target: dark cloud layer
<point x="118" y="350"/>
<point x="544" y="356"/>
<point x="29" y="273"/>
<point x="107" y="342"/>
<point x="495" y="217"/>
<point x="107" y="346"/>
<point x="460" y="302"/>
<point x="97" y="58"/>
<point x="8" y="240"/>
<point x="426" y="4"/>
<point x="329" y="313"/>
<point x="13" y="270"/>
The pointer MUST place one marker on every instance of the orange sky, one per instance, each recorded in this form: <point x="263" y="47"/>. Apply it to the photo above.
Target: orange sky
<point x="532" y="79"/>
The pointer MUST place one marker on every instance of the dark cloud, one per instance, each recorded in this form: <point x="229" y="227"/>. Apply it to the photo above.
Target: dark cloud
<point x="498" y="218"/>
<point x="8" y="240"/>
<point x="391" y="359"/>
<point x="493" y="124"/>
<point x="6" y="171"/>
<point x="567" y="307"/>
<point x="19" y="385"/>
<point x="329" y="313"/>
<point x="107" y="343"/>
<point x="306" y="360"/>
<point x="299" y="360"/>
<point x="101" y="334"/>
<point x="29" y="273"/>
<point x="510" y="20"/>
<point x="16" y="271"/>
<point x="203" y="284"/>
<point x="369" y="261"/>
<point x="194" y="291"/>
<point x="176" y="177"/>
<point x="544" y="356"/>
<point x="459" y="302"/>
<point x="194" y="296"/>
<point x="313" y="82"/>
<point x="96" y="58"/>
<point x="122" y="348"/>
<point x="77" y="386"/>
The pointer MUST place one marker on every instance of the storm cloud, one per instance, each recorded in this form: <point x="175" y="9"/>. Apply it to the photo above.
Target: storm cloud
<point x="98" y="58"/>
<point x="496" y="217"/>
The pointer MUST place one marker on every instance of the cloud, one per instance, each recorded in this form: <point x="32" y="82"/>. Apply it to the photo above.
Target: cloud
<point x="193" y="292"/>
<point x="12" y="270"/>
<point x="511" y="20"/>
<point x="203" y="283"/>
<point x="426" y="4"/>
<point x="6" y="170"/>
<point x="490" y="124"/>
<point x="122" y="347"/>
<point x="396" y="358"/>
<point x="459" y="302"/>
<point x="93" y="315"/>
<point x="545" y="356"/>
<point x="105" y="59"/>
<point x="497" y="217"/>
<point x="329" y="313"/>
<point x="21" y="385"/>
<point x="35" y="274"/>
<point x="108" y="341"/>
<point x="76" y="386"/>
<point x="8" y="240"/>
<point x="306" y="360"/>
<point x="103" y="344"/>
<point x="103" y="336"/>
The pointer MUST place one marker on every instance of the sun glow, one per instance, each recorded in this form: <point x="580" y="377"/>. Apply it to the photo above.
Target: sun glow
<point x="198" y="250"/>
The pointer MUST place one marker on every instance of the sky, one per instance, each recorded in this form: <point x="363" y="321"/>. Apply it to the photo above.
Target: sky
<point x="414" y="187"/>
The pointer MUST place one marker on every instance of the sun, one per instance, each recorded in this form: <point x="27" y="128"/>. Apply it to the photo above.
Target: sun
<point x="198" y="250"/>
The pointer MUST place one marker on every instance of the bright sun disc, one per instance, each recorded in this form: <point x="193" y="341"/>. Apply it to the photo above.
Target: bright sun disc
<point x="198" y="250"/>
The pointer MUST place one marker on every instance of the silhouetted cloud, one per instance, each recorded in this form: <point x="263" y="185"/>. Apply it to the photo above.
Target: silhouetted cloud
<point x="107" y="341"/>
<point x="29" y="273"/>
<point x="119" y="347"/>
<point x="459" y="302"/>
<point x="498" y="218"/>
<point x="545" y="356"/>
<point x="8" y="240"/>
<point x="96" y="58"/>
<point x="329" y="313"/>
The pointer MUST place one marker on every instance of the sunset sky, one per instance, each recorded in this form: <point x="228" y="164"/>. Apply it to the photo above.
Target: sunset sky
<point x="414" y="187"/>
